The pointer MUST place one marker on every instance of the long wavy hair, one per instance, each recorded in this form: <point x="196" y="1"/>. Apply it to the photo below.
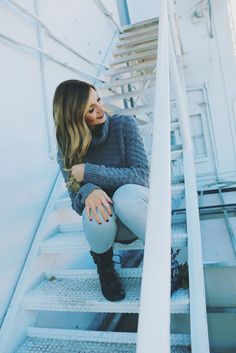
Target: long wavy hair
<point x="72" y="133"/>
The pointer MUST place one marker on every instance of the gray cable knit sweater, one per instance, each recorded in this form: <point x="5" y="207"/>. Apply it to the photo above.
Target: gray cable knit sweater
<point x="115" y="157"/>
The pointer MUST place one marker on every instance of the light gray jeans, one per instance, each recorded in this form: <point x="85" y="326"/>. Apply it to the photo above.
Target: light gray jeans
<point x="127" y="223"/>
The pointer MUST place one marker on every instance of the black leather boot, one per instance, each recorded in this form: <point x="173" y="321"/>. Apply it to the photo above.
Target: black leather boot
<point x="111" y="285"/>
<point x="179" y="273"/>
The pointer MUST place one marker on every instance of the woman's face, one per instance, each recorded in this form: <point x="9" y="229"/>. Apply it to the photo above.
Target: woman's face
<point x="94" y="114"/>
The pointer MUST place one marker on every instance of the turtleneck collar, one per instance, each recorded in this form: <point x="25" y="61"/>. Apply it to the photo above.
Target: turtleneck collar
<point x="99" y="134"/>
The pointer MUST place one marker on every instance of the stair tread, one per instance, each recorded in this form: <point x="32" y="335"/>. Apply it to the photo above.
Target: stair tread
<point x="137" y="32"/>
<point x="122" y="81"/>
<point x="126" y="42"/>
<point x="72" y="239"/>
<point x="136" y="48"/>
<point x="145" y="23"/>
<point x="132" y="67"/>
<point x="63" y="341"/>
<point x="80" y="292"/>
<point x="133" y="57"/>
<point x="62" y="346"/>
<point x="133" y="93"/>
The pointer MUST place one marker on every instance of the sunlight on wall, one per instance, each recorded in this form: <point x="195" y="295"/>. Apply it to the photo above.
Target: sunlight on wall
<point x="232" y="17"/>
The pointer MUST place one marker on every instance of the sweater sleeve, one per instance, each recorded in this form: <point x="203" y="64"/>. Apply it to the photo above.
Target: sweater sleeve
<point x="136" y="170"/>
<point x="77" y="198"/>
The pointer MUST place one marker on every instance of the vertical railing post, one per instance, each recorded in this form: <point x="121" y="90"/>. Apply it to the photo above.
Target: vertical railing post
<point x="198" y="314"/>
<point x="154" y="317"/>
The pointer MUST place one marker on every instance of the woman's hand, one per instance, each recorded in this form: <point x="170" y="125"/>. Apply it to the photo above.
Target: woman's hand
<point x="78" y="172"/>
<point x="98" y="200"/>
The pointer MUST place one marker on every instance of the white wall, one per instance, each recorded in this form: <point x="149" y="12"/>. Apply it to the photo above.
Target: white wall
<point x="140" y="10"/>
<point x="27" y="173"/>
<point x="211" y="61"/>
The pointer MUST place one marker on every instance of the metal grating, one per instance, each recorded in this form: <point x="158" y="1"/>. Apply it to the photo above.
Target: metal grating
<point x="82" y="293"/>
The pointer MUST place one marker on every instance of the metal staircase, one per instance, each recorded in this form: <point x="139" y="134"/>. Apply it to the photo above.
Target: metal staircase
<point x="61" y="288"/>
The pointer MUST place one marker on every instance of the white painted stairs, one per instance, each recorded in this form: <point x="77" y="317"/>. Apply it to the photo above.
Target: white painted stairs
<point x="74" y="341"/>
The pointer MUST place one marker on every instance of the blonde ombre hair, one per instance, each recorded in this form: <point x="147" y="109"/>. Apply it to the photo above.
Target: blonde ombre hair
<point x="72" y="133"/>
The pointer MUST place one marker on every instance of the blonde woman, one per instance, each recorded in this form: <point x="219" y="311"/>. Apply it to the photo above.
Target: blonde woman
<point x="106" y="171"/>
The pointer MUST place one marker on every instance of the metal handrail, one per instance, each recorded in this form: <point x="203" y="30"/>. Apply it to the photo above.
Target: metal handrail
<point x="47" y="55"/>
<point x="52" y="36"/>
<point x="23" y="279"/>
<point x="198" y="313"/>
<point x="154" y="316"/>
<point x="231" y="232"/>
<point x="210" y="19"/>
<point x="154" y="335"/>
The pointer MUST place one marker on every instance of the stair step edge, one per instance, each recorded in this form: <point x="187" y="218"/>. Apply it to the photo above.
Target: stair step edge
<point x="127" y="80"/>
<point x="73" y="242"/>
<point x="126" y="43"/>
<point x="149" y="22"/>
<point x="67" y="298"/>
<point x="132" y="67"/>
<point x="128" y="58"/>
<point x="143" y="47"/>
<point x="138" y="32"/>
<point x="98" y="336"/>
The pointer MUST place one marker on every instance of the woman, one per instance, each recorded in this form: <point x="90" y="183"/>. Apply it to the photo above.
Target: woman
<point x="106" y="171"/>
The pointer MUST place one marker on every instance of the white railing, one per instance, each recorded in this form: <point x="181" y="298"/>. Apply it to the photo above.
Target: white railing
<point x="52" y="36"/>
<point x="47" y="55"/>
<point x="154" y="317"/>
<point x="6" y="332"/>
<point x="198" y="312"/>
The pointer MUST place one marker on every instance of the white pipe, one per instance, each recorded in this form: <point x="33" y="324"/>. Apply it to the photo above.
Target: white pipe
<point x="198" y="314"/>
<point x="154" y="316"/>
<point x="210" y="19"/>
<point x="108" y="14"/>
<point x="52" y="36"/>
<point x="47" y="55"/>
<point x="49" y="121"/>
<point x="175" y="32"/>
<point x="211" y="132"/>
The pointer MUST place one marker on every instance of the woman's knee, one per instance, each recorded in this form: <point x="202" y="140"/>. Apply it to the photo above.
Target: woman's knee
<point x="122" y="192"/>
<point x="130" y="204"/>
<point x="127" y="195"/>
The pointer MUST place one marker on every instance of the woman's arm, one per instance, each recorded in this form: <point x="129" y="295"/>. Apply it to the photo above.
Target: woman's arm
<point x="77" y="198"/>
